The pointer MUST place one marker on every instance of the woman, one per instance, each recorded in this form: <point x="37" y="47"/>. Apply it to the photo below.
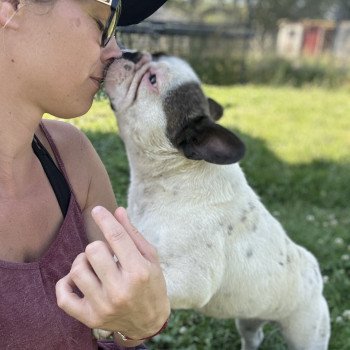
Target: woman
<point x="66" y="263"/>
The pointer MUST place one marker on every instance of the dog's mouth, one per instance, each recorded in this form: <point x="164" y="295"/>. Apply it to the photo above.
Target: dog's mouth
<point x="105" y="70"/>
<point x="123" y="89"/>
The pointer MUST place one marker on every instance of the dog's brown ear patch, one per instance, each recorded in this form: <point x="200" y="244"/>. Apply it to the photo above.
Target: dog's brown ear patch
<point x="215" y="109"/>
<point x="191" y="130"/>
<point x="202" y="139"/>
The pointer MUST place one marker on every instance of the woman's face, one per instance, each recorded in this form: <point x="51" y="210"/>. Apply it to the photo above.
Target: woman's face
<point x="57" y="56"/>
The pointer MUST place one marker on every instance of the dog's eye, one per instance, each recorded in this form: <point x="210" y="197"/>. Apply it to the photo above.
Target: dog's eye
<point x="153" y="79"/>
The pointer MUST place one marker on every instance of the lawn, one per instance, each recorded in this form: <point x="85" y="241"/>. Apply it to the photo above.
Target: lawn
<point x="298" y="160"/>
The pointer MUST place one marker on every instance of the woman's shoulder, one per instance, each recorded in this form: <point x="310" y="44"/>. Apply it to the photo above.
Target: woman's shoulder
<point x="75" y="151"/>
<point x="85" y="170"/>
<point x="63" y="133"/>
<point x="73" y="145"/>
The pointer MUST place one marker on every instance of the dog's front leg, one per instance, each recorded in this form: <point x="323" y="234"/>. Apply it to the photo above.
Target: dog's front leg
<point x="189" y="285"/>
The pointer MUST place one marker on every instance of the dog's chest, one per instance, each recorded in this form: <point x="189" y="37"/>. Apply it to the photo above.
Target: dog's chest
<point x="193" y="207"/>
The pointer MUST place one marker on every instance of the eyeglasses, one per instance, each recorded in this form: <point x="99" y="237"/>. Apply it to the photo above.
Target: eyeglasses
<point x="111" y="25"/>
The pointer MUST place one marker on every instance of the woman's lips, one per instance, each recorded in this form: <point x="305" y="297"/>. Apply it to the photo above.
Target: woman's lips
<point x="97" y="81"/>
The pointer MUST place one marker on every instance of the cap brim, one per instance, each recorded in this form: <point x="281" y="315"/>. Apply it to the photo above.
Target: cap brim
<point x="135" y="11"/>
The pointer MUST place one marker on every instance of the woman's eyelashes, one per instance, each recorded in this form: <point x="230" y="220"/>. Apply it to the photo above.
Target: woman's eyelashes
<point x="99" y="24"/>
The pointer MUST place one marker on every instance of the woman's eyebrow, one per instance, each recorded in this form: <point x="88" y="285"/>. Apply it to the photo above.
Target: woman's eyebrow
<point x="100" y="11"/>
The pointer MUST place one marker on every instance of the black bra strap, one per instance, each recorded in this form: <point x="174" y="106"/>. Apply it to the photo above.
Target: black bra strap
<point x="56" y="178"/>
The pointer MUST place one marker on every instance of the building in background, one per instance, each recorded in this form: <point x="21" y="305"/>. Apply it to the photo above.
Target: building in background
<point x="305" y="38"/>
<point x="342" y="41"/>
<point x="290" y="39"/>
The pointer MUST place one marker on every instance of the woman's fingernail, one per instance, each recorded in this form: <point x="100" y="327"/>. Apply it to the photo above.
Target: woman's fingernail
<point x="96" y="210"/>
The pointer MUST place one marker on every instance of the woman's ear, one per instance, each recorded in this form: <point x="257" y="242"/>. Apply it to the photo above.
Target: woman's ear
<point x="7" y="14"/>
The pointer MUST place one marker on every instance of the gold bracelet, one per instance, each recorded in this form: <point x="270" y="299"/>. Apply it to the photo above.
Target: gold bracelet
<point x="126" y="338"/>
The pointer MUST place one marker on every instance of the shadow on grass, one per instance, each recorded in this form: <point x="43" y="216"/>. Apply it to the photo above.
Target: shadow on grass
<point x="311" y="201"/>
<point x="321" y="183"/>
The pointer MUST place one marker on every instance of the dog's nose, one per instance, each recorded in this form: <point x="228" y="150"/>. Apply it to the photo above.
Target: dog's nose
<point x="132" y="56"/>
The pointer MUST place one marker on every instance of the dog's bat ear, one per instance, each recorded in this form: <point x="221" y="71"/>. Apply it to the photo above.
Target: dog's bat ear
<point x="215" y="109"/>
<point x="202" y="139"/>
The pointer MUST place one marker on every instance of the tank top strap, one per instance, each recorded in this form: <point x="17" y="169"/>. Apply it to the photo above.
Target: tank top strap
<point x="57" y="155"/>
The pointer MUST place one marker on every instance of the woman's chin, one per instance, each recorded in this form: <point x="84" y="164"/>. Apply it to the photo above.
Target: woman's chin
<point x="73" y="111"/>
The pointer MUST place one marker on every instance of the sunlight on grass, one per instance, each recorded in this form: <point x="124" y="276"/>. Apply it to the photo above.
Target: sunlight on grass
<point x="100" y="118"/>
<point x="298" y="125"/>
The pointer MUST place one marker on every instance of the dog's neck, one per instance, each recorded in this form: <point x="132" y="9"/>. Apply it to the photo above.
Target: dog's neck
<point x="172" y="170"/>
<point x="159" y="161"/>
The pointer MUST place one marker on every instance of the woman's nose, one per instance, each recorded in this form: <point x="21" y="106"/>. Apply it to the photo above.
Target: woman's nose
<point x="111" y="51"/>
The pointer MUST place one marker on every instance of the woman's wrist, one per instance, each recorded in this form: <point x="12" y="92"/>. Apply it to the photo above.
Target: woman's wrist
<point x="125" y="338"/>
<point x="125" y="343"/>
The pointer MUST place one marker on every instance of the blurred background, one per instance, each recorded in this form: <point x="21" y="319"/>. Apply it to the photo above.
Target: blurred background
<point x="256" y="41"/>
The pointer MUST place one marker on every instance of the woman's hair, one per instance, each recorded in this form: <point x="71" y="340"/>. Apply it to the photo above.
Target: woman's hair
<point x="18" y="4"/>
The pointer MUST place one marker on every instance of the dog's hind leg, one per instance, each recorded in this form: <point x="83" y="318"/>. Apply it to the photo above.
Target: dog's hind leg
<point x="308" y="328"/>
<point x="251" y="333"/>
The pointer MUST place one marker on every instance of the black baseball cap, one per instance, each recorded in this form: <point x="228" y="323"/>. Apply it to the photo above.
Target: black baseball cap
<point x="135" y="11"/>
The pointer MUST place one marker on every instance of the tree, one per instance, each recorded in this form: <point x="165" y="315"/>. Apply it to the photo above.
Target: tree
<point x="210" y="11"/>
<point x="341" y="10"/>
<point x="266" y="13"/>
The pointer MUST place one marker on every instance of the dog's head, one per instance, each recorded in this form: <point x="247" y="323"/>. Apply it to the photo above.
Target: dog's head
<point x="159" y="102"/>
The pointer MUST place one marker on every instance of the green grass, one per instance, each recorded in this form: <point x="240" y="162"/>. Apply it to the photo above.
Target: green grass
<point x="298" y="160"/>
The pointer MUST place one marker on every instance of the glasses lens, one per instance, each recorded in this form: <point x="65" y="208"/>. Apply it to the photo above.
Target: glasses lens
<point x="111" y="26"/>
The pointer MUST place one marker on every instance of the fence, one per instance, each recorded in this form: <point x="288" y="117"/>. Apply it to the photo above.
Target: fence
<point x="200" y="44"/>
<point x="186" y="39"/>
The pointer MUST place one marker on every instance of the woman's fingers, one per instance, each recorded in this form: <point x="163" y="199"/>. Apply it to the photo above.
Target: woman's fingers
<point x="68" y="300"/>
<point x="84" y="276"/>
<point x="118" y="238"/>
<point x="130" y="295"/>
<point x="145" y="248"/>
<point x="104" y="264"/>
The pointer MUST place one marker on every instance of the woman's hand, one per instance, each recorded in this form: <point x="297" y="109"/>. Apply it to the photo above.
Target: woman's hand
<point x="129" y="295"/>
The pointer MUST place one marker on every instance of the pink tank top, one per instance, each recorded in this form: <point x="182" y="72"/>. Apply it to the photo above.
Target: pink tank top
<point x="29" y="316"/>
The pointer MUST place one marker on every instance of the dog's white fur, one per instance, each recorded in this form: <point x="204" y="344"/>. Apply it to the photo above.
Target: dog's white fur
<point x="222" y="252"/>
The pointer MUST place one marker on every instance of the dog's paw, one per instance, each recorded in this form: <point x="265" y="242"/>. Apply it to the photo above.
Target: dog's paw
<point x="100" y="334"/>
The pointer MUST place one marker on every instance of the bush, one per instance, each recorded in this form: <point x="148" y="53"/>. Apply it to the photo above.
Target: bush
<point x="271" y="71"/>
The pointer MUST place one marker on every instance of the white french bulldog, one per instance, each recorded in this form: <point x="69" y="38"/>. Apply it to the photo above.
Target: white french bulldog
<point x="222" y="252"/>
